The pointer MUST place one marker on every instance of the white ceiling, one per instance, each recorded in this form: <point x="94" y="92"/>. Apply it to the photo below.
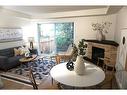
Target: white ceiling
<point x="37" y="10"/>
<point x="43" y="12"/>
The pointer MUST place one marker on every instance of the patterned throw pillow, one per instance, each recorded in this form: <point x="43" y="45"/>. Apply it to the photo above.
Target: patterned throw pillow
<point x="16" y="51"/>
<point x="23" y="50"/>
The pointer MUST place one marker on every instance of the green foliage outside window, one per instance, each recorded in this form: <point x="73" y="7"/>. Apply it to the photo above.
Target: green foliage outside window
<point x="64" y="35"/>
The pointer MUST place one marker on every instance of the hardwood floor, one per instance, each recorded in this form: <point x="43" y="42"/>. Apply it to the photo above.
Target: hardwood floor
<point x="47" y="84"/>
<point x="14" y="85"/>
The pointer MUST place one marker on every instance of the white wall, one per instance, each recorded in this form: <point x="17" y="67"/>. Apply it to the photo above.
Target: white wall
<point x="83" y="28"/>
<point x="30" y="30"/>
<point x="121" y="23"/>
<point x="10" y="44"/>
<point x="12" y="21"/>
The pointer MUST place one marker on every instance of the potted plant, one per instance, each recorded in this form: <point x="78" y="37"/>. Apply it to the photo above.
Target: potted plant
<point x="79" y="67"/>
<point x="80" y="50"/>
<point x="82" y="47"/>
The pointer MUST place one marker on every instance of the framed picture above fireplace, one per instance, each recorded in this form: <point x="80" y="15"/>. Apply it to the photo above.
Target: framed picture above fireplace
<point x="10" y="34"/>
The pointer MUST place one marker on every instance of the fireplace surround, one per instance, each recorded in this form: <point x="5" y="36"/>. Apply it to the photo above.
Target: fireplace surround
<point x="104" y="49"/>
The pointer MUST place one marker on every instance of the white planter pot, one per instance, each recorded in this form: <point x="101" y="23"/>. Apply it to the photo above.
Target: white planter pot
<point x="79" y="66"/>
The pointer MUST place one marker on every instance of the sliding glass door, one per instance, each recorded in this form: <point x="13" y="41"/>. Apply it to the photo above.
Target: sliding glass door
<point x="55" y="37"/>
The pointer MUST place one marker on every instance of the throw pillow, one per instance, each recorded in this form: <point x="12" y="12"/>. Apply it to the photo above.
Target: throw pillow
<point x="16" y="51"/>
<point x="23" y="50"/>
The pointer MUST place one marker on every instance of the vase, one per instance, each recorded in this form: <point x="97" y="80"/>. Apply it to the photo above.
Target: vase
<point x="103" y="37"/>
<point x="79" y="66"/>
<point x="100" y="36"/>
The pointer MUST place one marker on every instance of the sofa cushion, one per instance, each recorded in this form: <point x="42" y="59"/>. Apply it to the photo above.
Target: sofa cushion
<point x="3" y="59"/>
<point x="12" y="62"/>
<point x="24" y="50"/>
<point x="7" y="59"/>
<point x="14" y="59"/>
<point x="7" y="52"/>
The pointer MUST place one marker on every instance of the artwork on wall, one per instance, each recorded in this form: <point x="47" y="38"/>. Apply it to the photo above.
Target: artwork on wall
<point x="10" y="34"/>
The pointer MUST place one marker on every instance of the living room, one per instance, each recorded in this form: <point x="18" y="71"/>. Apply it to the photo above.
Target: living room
<point x="25" y="20"/>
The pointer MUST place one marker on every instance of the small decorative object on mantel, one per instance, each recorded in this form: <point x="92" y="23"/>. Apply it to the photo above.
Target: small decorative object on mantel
<point x="79" y="67"/>
<point x="101" y="28"/>
<point x="70" y="65"/>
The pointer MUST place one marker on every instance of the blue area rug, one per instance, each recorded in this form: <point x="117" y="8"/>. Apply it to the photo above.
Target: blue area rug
<point x="41" y="69"/>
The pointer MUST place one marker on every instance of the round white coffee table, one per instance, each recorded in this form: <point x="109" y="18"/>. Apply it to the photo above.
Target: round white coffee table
<point x="93" y="75"/>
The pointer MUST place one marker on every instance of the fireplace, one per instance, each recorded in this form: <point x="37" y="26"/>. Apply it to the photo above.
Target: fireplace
<point x="97" y="52"/>
<point x="104" y="49"/>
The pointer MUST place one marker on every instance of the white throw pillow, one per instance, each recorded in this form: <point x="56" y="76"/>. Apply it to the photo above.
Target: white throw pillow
<point x="23" y="50"/>
<point x="16" y="51"/>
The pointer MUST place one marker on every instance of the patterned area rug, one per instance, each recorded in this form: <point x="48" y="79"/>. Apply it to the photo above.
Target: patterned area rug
<point x="41" y="69"/>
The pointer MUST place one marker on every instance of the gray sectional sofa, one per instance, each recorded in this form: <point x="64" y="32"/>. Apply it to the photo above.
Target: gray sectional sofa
<point x="8" y="60"/>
